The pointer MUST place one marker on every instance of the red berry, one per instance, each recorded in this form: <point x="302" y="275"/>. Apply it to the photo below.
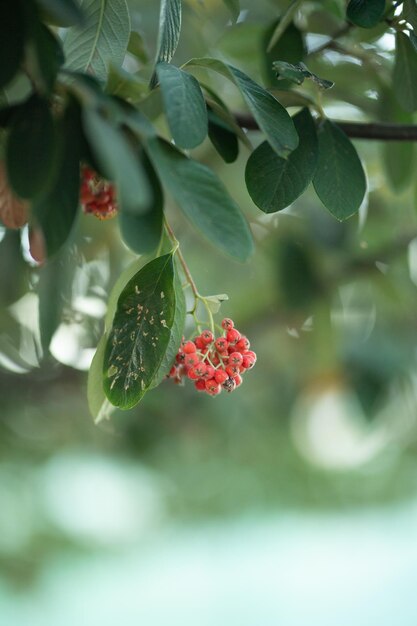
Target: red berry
<point x="172" y="372"/>
<point x="200" y="369"/>
<point x="221" y="344"/>
<point x="238" y="380"/>
<point x="191" y="360"/>
<point x="233" y="335"/>
<point x="180" y="358"/>
<point x="243" y="344"/>
<point x="232" y="370"/>
<point x="199" y="343"/>
<point x="235" y="358"/>
<point x="249" y="359"/>
<point x="189" y="347"/>
<point x="221" y="376"/>
<point x="213" y="387"/>
<point x="207" y="336"/>
<point x="215" y="359"/>
<point x="192" y="374"/>
<point x="200" y="385"/>
<point x="209" y="373"/>
<point x="227" y="323"/>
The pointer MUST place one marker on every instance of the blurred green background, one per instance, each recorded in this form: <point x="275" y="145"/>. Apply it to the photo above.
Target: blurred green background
<point x="292" y="501"/>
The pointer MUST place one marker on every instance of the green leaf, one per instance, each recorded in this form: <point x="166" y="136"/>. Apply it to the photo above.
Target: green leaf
<point x="176" y="331"/>
<point x="339" y="179"/>
<point x="399" y="165"/>
<point x="184" y="105"/>
<point x="290" y="47"/>
<point x="222" y="137"/>
<point x="30" y="150"/>
<point x="56" y="210"/>
<point x="298" y="73"/>
<point x="126" y="85"/>
<point x="54" y="290"/>
<point x="102" y="38"/>
<point x="270" y="115"/>
<point x="274" y="183"/>
<point x="365" y="13"/>
<point x="405" y="72"/>
<point x="203" y="198"/>
<point x="119" y="161"/>
<point x="142" y="233"/>
<point x="220" y="109"/>
<point x="234" y="8"/>
<point x="169" y="32"/>
<point x="410" y="12"/>
<point x="141" y="332"/>
<point x="12" y="39"/>
<point x="62" y="12"/>
<point x="137" y="47"/>
<point x="214" y="302"/>
<point x="44" y="56"/>
<point x="283" y="24"/>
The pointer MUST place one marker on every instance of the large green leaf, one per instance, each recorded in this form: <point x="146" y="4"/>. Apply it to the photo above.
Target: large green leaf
<point x="339" y="179"/>
<point x="12" y="36"/>
<point x="141" y="332"/>
<point x="44" y="57"/>
<point x="57" y="209"/>
<point x="102" y="38"/>
<point x="274" y="183"/>
<point x="142" y="233"/>
<point x="405" y="72"/>
<point x="54" y="290"/>
<point x="365" y="13"/>
<point x="270" y="115"/>
<point x="176" y="331"/>
<point x="203" y="198"/>
<point x="119" y="161"/>
<point x="30" y="150"/>
<point x="184" y="105"/>
<point x="169" y="32"/>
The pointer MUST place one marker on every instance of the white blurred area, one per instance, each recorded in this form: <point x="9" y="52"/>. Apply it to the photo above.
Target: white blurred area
<point x="298" y="569"/>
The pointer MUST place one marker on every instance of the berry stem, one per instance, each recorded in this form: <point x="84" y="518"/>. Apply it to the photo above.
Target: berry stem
<point x="184" y="265"/>
<point x="197" y="296"/>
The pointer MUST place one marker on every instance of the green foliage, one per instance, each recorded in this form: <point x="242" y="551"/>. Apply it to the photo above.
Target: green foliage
<point x="141" y="333"/>
<point x="267" y="111"/>
<point x="184" y="105"/>
<point x="273" y="182"/>
<point x="298" y="73"/>
<point x="102" y="37"/>
<point x="57" y="225"/>
<point x="170" y="17"/>
<point x="204" y="199"/>
<point x="365" y="13"/>
<point x="405" y="72"/>
<point x="77" y="87"/>
<point x="30" y="149"/>
<point x="339" y="179"/>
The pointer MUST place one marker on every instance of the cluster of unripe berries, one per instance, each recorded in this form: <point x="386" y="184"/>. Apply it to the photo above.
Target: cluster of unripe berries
<point x="214" y="364"/>
<point x="97" y="196"/>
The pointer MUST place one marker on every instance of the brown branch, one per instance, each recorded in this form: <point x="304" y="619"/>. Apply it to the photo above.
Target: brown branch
<point x="356" y="130"/>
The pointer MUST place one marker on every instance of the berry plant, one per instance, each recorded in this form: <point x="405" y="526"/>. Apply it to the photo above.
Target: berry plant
<point x="90" y="124"/>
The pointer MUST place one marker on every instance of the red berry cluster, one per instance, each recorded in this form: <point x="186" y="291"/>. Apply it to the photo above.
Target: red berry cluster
<point x="97" y="196"/>
<point x="214" y="364"/>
